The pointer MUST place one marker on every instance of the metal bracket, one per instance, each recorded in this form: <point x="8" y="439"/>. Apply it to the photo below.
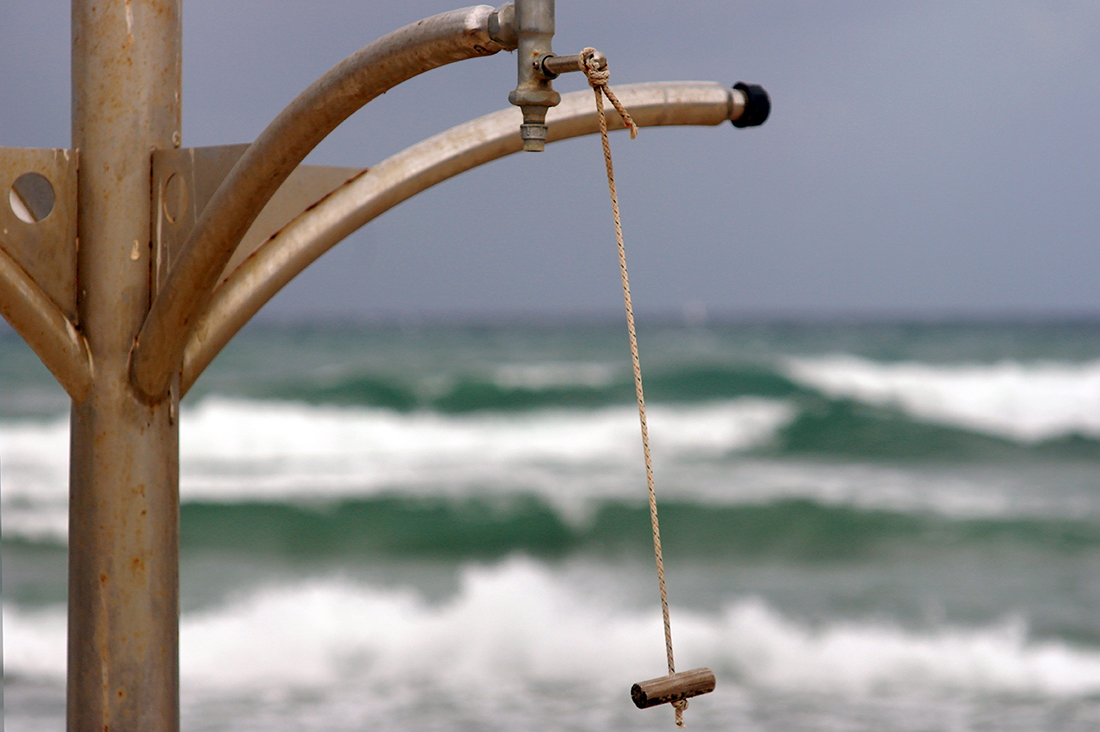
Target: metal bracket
<point x="38" y="219"/>
<point x="186" y="179"/>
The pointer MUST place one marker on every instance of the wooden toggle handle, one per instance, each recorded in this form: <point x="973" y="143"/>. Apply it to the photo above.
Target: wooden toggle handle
<point x="672" y="688"/>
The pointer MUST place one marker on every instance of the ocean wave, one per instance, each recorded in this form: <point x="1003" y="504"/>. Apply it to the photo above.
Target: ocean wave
<point x="793" y="531"/>
<point x="1025" y="402"/>
<point x="853" y="430"/>
<point x="517" y="626"/>
<point x="34" y="479"/>
<point x="511" y="387"/>
<point x="237" y="430"/>
<point x="235" y="450"/>
<point x="543" y="484"/>
<point x="741" y="452"/>
<point x="591" y="374"/>
<point x="762" y="648"/>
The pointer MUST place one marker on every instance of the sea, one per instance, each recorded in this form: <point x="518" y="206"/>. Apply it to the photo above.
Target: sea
<point x="888" y="526"/>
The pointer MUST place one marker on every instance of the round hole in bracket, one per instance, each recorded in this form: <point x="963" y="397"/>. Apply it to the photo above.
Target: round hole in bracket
<point x="31" y="197"/>
<point x="173" y="198"/>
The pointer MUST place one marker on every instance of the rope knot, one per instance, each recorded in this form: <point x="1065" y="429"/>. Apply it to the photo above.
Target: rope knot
<point x="595" y="68"/>
<point x="598" y="74"/>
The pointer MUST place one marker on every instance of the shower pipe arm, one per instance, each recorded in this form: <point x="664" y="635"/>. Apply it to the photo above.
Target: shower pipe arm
<point x="418" y="168"/>
<point x="317" y="111"/>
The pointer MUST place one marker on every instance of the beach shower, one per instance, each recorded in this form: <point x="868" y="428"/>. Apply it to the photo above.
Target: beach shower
<point x="177" y="252"/>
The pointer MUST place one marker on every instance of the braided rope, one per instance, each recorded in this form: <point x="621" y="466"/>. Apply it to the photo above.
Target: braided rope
<point x="598" y="77"/>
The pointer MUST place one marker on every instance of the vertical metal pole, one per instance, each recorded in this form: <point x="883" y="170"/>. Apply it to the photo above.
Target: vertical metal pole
<point x="124" y="457"/>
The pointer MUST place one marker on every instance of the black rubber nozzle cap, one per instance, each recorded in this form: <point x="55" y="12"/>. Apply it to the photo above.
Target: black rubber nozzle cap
<point x="757" y="105"/>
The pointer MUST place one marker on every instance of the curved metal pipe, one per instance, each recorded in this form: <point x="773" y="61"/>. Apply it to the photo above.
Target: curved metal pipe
<point x="415" y="169"/>
<point x="378" y="67"/>
<point x="45" y="328"/>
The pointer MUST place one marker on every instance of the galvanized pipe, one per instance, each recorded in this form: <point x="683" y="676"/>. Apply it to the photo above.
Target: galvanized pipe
<point x="554" y="66"/>
<point x="533" y="93"/>
<point x="45" y="328"/>
<point x="415" y="169"/>
<point x="372" y="71"/>
<point x="123" y="671"/>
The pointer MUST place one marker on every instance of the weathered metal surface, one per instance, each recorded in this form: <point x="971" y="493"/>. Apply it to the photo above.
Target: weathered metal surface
<point x="185" y="180"/>
<point x="123" y="669"/>
<point x="38" y="259"/>
<point x="50" y="334"/>
<point x="307" y="185"/>
<point x="378" y="67"/>
<point x="415" y="169"/>
<point x="534" y="93"/>
<point x="45" y="246"/>
<point x="554" y="66"/>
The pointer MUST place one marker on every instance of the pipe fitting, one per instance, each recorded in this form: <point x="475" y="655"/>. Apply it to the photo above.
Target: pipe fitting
<point x="756" y="107"/>
<point x="554" y="66"/>
<point x="534" y="25"/>
<point x="502" y="26"/>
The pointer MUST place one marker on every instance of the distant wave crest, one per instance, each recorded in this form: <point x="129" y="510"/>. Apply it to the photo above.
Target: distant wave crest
<point x="1030" y="403"/>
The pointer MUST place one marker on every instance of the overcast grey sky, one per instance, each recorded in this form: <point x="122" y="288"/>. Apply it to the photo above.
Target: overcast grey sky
<point x="921" y="159"/>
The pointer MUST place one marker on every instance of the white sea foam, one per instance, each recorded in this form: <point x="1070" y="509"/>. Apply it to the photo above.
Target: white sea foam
<point x="518" y="626"/>
<point x="34" y="641"/>
<point x="1025" y="402"/>
<point x="765" y="649"/>
<point x="34" y="479"/>
<point x="249" y="431"/>
<point x="233" y="449"/>
<point x="238" y="450"/>
<point x="543" y="375"/>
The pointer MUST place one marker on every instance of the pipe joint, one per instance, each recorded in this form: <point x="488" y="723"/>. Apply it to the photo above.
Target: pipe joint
<point x="534" y="25"/>
<point x="502" y="26"/>
<point x="552" y="66"/>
